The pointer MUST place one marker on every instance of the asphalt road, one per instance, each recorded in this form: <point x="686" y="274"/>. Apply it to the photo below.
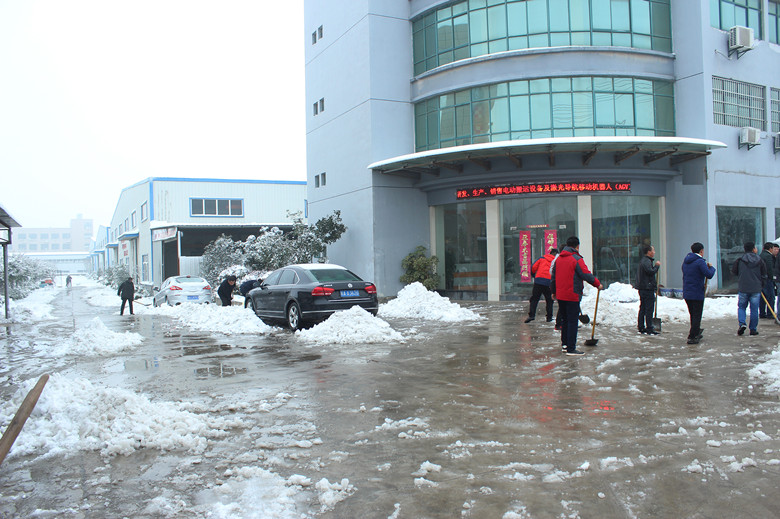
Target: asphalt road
<point x="638" y="427"/>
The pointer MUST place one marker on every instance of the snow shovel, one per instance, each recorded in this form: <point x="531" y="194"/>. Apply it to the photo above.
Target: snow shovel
<point x="592" y="341"/>
<point x="770" y="308"/>
<point x="584" y="318"/>
<point x="656" y="320"/>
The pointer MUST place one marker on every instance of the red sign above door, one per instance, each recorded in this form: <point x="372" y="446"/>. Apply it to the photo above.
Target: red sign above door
<point x="542" y="188"/>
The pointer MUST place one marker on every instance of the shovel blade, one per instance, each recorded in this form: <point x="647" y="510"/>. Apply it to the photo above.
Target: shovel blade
<point x="656" y="324"/>
<point x="591" y="342"/>
<point x="584" y="318"/>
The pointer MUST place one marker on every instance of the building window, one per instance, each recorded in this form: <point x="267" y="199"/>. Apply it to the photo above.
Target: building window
<point x="319" y="32"/>
<point x="736" y="225"/>
<point x="322" y="179"/>
<point x="322" y="104"/>
<point x="21" y="236"/>
<point x="773" y="21"/>
<point x="144" y="212"/>
<point x="774" y="107"/>
<point x="127" y="225"/>
<point x="133" y="220"/>
<point x="316" y="181"/>
<point x="32" y="236"/>
<point x="216" y="207"/>
<point x="55" y="236"/>
<point x="546" y="107"/>
<point x="66" y="236"/>
<point x="33" y="246"/>
<point x="316" y="108"/>
<point x="44" y="236"/>
<point x="120" y="229"/>
<point x="22" y="246"/>
<point x="44" y="246"/>
<point x="725" y="14"/>
<point x="314" y="37"/>
<point x="777" y="223"/>
<point x="736" y="103"/>
<point x="476" y="28"/>
<point x="66" y="246"/>
<point x="55" y="246"/>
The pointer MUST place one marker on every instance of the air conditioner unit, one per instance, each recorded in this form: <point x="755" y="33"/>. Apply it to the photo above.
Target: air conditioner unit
<point x="749" y="137"/>
<point x="777" y="143"/>
<point x="740" y="40"/>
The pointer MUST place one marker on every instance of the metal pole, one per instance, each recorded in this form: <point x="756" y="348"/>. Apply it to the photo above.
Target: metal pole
<point x="5" y="279"/>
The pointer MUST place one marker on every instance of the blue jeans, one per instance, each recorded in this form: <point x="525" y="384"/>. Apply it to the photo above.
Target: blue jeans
<point x="742" y="303"/>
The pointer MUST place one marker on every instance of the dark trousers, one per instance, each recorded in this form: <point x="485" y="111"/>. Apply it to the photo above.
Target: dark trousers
<point x="122" y="309"/>
<point x="225" y="301"/>
<point x="646" y="304"/>
<point x="570" y="311"/>
<point x="769" y="293"/>
<point x="695" y="308"/>
<point x="536" y="295"/>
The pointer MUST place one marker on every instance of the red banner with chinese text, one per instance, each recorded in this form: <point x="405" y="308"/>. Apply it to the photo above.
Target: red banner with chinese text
<point x="550" y="240"/>
<point x="525" y="257"/>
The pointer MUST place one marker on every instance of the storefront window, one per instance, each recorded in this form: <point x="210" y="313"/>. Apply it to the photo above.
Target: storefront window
<point x="530" y="227"/>
<point x="777" y="223"/>
<point x="465" y="246"/>
<point x="621" y="225"/>
<point x="736" y="225"/>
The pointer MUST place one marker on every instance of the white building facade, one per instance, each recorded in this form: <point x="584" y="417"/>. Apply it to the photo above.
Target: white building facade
<point x="161" y="225"/>
<point x="490" y="130"/>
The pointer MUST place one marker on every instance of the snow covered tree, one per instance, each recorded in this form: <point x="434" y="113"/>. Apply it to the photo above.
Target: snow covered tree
<point x="24" y="274"/>
<point x="219" y="255"/>
<point x="420" y="268"/>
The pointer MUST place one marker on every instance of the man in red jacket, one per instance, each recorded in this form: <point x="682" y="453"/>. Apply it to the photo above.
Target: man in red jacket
<point x="568" y="273"/>
<point x="540" y="270"/>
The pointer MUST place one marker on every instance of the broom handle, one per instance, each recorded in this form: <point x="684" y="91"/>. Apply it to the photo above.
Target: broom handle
<point x="595" y="314"/>
<point x="657" y="289"/>
<point x="769" y="306"/>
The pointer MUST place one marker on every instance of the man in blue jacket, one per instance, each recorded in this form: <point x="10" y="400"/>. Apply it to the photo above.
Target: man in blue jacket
<point x="695" y="269"/>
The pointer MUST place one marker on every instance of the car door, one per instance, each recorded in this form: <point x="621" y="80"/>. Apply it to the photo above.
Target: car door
<point x="280" y="293"/>
<point x="263" y="295"/>
<point x="159" y="297"/>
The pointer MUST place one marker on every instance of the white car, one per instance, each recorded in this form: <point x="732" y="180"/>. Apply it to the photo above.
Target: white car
<point x="183" y="289"/>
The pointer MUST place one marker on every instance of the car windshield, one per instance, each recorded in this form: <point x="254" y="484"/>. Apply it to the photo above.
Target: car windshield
<point x="184" y="279"/>
<point x="331" y="275"/>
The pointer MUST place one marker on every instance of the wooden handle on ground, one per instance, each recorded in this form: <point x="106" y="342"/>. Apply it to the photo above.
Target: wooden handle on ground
<point x="15" y="427"/>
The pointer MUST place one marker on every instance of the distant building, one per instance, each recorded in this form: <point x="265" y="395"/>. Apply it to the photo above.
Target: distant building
<point x="64" y="262"/>
<point x="161" y="225"/>
<point x="76" y="238"/>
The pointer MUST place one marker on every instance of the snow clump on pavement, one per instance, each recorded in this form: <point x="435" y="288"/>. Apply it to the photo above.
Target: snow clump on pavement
<point x="35" y="307"/>
<point x="417" y="302"/>
<point x="768" y="372"/>
<point x="228" y="320"/>
<point x="349" y="327"/>
<point x="74" y="414"/>
<point x="94" y="338"/>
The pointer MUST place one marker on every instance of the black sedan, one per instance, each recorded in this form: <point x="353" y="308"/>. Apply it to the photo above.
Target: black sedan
<point x="305" y="294"/>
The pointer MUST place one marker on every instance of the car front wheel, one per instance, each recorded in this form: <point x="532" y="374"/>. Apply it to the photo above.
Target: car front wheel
<point x="294" y="316"/>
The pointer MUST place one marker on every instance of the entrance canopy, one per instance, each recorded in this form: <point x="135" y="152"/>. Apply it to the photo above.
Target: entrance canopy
<point x="675" y="149"/>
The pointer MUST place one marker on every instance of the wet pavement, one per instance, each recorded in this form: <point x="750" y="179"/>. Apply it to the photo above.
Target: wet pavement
<point x="638" y="427"/>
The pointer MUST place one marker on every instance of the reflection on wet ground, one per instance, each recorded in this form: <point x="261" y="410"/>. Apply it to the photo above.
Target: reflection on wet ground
<point x="639" y="427"/>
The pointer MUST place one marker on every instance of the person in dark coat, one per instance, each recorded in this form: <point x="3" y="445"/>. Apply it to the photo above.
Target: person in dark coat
<point x="646" y="284"/>
<point x="225" y="290"/>
<point x="752" y="274"/>
<point x="127" y="292"/>
<point x="540" y="270"/>
<point x="569" y="271"/>
<point x="244" y="289"/>
<point x="769" y="257"/>
<point x="695" y="269"/>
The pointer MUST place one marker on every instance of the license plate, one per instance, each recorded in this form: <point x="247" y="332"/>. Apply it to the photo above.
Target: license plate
<point x="350" y="293"/>
<point x="193" y="298"/>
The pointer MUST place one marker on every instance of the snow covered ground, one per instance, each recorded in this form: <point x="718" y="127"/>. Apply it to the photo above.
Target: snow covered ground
<point x="480" y="414"/>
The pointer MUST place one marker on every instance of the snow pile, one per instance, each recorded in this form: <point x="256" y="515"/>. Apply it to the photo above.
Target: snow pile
<point x="95" y="338"/>
<point x="417" y="302"/>
<point x="35" y="307"/>
<point x="619" y="305"/>
<point x="228" y="320"/>
<point x="103" y="296"/>
<point x="332" y="493"/>
<point x="768" y="372"/>
<point x="351" y="326"/>
<point x="73" y="414"/>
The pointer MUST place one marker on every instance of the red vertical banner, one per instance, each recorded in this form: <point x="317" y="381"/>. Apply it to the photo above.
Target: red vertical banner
<point x="550" y="240"/>
<point x="525" y="257"/>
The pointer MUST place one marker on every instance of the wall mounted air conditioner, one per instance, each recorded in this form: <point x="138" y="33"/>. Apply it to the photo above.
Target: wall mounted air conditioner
<point x="740" y="40"/>
<point x="749" y="137"/>
<point x="777" y="143"/>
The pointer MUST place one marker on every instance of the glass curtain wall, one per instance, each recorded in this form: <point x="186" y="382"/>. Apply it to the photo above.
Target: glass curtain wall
<point x="478" y="27"/>
<point x="621" y="225"/>
<point x="736" y="225"/>
<point x="546" y="107"/>
<point x="543" y="222"/>
<point x="777" y="224"/>
<point x="464" y="229"/>
<point x="725" y="14"/>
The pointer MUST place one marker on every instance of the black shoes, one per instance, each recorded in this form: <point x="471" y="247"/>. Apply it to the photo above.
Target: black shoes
<point x="651" y="331"/>
<point x="641" y="330"/>
<point x="575" y="353"/>
<point x="549" y="319"/>
<point x="695" y="340"/>
<point x="753" y="332"/>
<point x="528" y="320"/>
<point x="741" y="330"/>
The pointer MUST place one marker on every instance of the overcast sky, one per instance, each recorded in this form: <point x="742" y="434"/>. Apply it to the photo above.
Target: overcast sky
<point x="97" y="95"/>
